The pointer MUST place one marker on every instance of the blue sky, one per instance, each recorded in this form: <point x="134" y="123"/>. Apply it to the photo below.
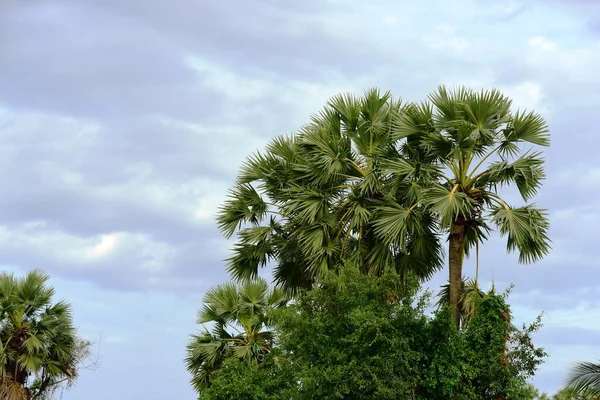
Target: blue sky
<point x="123" y="123"/>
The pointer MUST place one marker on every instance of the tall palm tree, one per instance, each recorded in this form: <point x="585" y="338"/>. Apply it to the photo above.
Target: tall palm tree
<point x="38" y="343"/>
<point x="478" y="146"/>
<point x="240" y="315"/>
<point x="308" y="202"/>
<point x="584" y="380"/>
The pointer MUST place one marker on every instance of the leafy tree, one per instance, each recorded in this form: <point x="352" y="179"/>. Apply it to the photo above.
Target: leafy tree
<point x="239" y="380"/>
<point x="332" y="193"/>
<point x="476" y="144"/>
<point x="39" y="348"/>
<point x="502" y="355"/>
<point x="584" y="380"/>
<point x="347" y="340"/>
<point x="355" y="336"/>
<point x="240" y="318"/>
<point x="489" y="359"/>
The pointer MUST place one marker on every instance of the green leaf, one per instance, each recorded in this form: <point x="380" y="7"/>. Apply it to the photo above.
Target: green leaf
<point x="448" y="203"/>
<point x="247" y="259"/>
<point x="244" y="205"/>
<point x="414" y="120"/>
<point x="526" y="172"/>
<point x="528" y="127"/>
<point x="394" y="223"/>
<point x="526" y="229"/>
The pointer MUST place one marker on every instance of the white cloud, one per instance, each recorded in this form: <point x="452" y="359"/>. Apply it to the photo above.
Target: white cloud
<point x="569" y="62"/>
<point x="526" y="95"/>
<point x="224" y="81"/>
<point x="107" y="252"/>
<point x="446" y="39"/>
<point x="107" y="243"/>
<point x="104" y="169"/>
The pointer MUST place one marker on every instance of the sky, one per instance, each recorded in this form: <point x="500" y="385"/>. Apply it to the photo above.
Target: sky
<point x="123" y="124"/>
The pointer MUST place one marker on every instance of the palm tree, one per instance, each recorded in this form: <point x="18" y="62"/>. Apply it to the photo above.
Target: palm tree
<point x="477" y="146"/>
<point x="38" y="344"/>
<point x="584" y="380"/>
<point x="240" y="315"/>
<point x="308" y="202"/>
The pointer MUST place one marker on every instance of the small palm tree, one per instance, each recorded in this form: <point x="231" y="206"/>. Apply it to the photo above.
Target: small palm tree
<point x="240" y="315"/>
<point x="584" y="380"/>
<point x="477" y="144"/>
<point x="38" y="343"/>
<point x="470" y="298"/>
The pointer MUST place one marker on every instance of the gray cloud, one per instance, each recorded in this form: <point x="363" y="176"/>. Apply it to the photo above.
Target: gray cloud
<point x="122" y="123"/>
<point x="559" y="335"/>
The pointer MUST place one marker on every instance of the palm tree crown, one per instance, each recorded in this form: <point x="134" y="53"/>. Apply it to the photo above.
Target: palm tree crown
<point x="38" y="345"/>
<point x="476" y="146"/>
<point x="330" y="195"/>
<point x="240" y="315"/>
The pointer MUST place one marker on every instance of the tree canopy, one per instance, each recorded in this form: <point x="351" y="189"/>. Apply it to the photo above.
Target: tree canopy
<point x="355" y="336"/>
<point x="379" y="183"/>
<point x="331" y="194"/>
<point x="39" y="348"/>
<point x="351" y="212"/>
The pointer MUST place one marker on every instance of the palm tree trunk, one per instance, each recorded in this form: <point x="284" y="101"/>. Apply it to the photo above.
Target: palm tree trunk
<point x="455" y="263"/>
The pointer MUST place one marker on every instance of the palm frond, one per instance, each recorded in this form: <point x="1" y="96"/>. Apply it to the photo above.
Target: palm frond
<point x="37" y="334"/>
<point x="528" y="127"/>
<point x="470" y="299"/>
<point x="245" y="205"/>
<point x="526" y="229"/>
<point x="448" y="203"/>
<point x="584" y="378"/>
<point x="526" y="172"/>
<point x="394" y="223"/>
<point x="221" y="301"/>
<point x="414" y="120"/>
<point x="247" y="259"/>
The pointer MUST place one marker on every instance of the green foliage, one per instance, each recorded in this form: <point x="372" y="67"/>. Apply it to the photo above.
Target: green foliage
<point x="355" y="336"/>
<point x="351" y="211"/>
<point x="375" y="182"/>
<point x="239" y="380"/>
<point x="240" y="318"/>
<point x="460" y="133"/>
<point x="39" y="348"/>
<point x="338" y="191"/>
<point x="502" y="366"/>
<point x="348" y="339"/>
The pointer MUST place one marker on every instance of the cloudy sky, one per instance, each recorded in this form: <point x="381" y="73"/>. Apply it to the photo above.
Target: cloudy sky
<point x="122" y="124"/>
